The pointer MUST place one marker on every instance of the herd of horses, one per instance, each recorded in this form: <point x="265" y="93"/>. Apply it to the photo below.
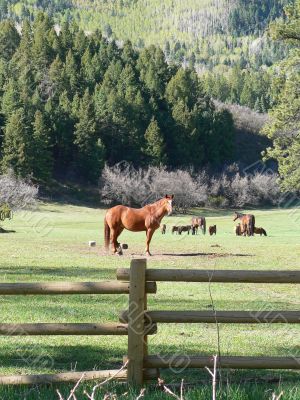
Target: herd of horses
<point x="197" y="223"/>
<point x="149" y="217"/>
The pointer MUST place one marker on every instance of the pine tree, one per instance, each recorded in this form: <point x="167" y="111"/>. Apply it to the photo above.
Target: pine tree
<point x="17" y="146"/>
<point x="42" y="52"/>
<point x="23" y="56"/>
<point x="87" y="68"/>
<point x="11" y="98"/>
<point x="184" y="86"/>
<point x="9" y="39"/>
<point x="284" y="126"/>
<point x="155" y="147"/>
<point x="90" y="147"/>
<point x="71" y="73"/>
<point x="42" y="164"/>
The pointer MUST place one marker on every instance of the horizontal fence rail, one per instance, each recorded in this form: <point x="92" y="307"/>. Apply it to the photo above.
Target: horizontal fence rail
<point x="61" y="377"/>
<point x="185" y="361"/>
<point x="57" y="288"/>
<point x="222" y="276"/>
<point x="69" y="329"/>
<point x="239" y="317"/>
<point x="63" y="329"/>
<point x="121" y="375"/>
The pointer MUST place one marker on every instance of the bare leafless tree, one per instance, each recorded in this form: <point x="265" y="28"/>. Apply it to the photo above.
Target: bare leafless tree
<point x="17" y="193"/>
<point x="231" y="188"/>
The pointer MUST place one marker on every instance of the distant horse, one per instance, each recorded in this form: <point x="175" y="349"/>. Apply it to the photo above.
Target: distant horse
<point x="163" y="229"/>
<point x="146" y="219"/>
<point x="199" y="222"/>
<point x="185" y="228"/>
<point x="212" y="230"/>
<point x="247" y="222"/>
<point x="174" y="229"/>
<point x="260" y="231"/>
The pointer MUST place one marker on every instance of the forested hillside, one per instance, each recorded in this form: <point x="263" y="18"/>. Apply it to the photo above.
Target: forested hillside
<point x="73" y="98"/>
<point x="70" y="102"/>
<point x="224" y="37"/>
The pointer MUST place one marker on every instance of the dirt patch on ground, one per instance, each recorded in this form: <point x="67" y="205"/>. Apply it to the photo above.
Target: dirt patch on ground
<point x="168" y="256"/>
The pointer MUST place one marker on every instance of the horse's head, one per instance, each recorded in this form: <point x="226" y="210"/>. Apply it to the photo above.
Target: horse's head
<point x="169" y="203"/>
<point x="235" y="216"/>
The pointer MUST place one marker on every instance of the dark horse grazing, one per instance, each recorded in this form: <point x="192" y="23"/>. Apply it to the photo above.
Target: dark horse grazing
<point x="146" y="219"/>
<point x="184" y="228"/>
<point x="199" y="222"/>
<point x="212" y="230"/>
<point x="247" y="222"/>
<point x="174" y="229"/>
<point x="260" y="231"/>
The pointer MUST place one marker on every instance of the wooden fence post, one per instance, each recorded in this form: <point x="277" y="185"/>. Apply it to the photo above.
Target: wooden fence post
<point x="136" y="322"/>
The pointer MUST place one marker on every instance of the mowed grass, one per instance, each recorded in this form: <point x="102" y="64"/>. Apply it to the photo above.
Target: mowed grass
<point x="51" y="244"/>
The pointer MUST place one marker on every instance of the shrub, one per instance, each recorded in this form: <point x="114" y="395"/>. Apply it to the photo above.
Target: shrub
<point x="137" y="187"/>
<point x="16" y="192"/>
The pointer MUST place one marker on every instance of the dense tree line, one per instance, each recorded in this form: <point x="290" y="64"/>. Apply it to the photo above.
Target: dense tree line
<point x="252" y="16"/>
<point x="246" y="87"/>
<point x="284" y="126"/>
<point x="71" y="102"/>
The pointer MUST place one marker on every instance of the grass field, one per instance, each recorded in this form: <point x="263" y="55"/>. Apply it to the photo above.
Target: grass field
<point x="51" y="244"/>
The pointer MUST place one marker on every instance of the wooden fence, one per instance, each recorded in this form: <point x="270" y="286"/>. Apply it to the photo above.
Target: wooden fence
<point x="114" y="329"/>
<point x="138" y="322"/>
<point x="139" y="360"/>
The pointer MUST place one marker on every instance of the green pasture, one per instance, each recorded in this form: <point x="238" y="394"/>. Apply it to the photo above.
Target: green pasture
<point x="51" y="244"/>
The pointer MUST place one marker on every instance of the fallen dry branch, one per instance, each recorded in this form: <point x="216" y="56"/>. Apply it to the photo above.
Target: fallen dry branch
<point x="96" y="387"/>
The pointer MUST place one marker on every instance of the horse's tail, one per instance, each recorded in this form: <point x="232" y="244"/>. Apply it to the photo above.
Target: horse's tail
<point x="251" y="225"/>
<point x="264" y="232"/>
<point x="106" y="234"/>
<point x="204" y="226"/>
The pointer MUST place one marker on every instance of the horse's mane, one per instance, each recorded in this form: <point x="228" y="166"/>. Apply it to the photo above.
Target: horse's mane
<point x="157" y="202"/>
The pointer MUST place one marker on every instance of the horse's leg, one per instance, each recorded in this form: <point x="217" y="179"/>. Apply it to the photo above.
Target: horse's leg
<point x="113" y="240"/>
<point x="149" y="234"/>
<point x="118" y="245"/>
<point x="114" y="234"/>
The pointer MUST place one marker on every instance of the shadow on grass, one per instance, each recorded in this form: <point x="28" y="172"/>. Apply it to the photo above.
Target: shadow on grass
<point x="207" y="254"/>
<point x="33" y="356"/>
<point x="45" y="358"/>
<point x="4" y="231"/>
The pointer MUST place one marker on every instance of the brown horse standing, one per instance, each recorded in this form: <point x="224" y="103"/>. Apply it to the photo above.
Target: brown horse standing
<point x="146" y="219"/>
<point x="247" y="223"/>
<point x="199" y="222"/>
